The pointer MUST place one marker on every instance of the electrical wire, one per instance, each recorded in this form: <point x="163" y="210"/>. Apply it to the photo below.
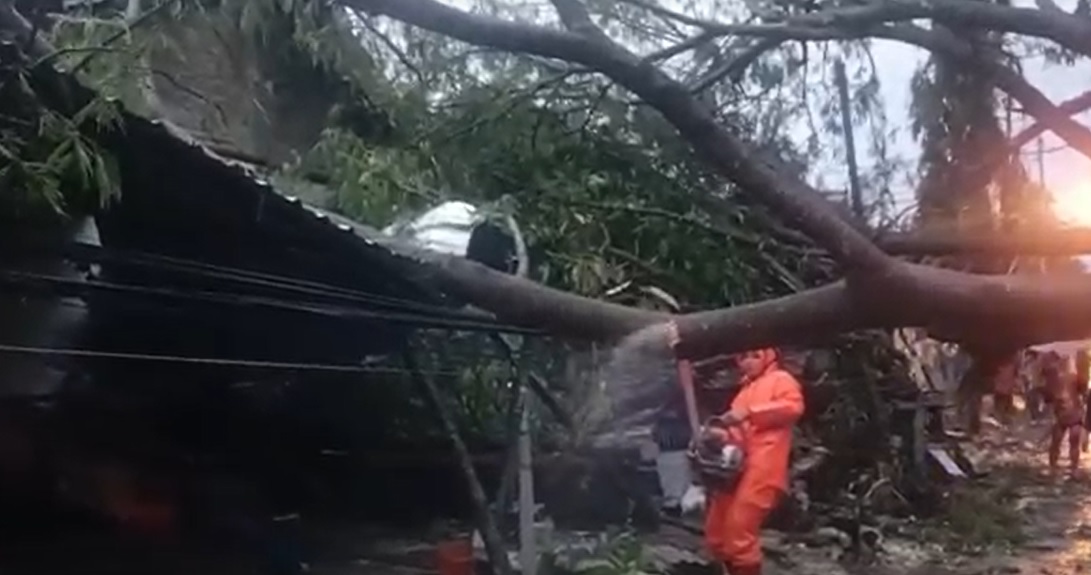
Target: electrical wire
<point x="87" y="253"/>
<point x="260" y="364"/>
<point x="21" y="278"/>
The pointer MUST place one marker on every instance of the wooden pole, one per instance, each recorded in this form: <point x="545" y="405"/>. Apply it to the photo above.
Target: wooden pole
<point x="494" y="543"/>
<point x="528" y="545"/>
<point x="512" y="419"/>
<point x="856" y="194"/>
<point x="1041" y="164"/>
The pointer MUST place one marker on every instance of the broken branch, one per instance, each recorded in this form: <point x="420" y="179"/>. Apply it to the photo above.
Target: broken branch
<point x="954" y="305"/>
<point x="724" y="151"/>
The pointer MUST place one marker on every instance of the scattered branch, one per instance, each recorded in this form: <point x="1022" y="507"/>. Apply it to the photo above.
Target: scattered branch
<point x="864" y="21"/>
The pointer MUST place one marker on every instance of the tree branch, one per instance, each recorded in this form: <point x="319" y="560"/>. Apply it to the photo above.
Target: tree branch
<point x="576" y="18"/>
<point x="681" y="47"/>
<point x="735" y="68"/>
<point x="12" y="21"/>
<point x="734" y="160"/>
<point x="1076" y="105"/>
<point x="1033" y="100"/>
<point x="1072" y="33"/>
<point x="951" y="304"/>
<point x="1039" y="242"/>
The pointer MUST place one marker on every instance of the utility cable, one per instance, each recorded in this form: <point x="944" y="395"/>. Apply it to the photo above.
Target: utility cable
<point x="260" y="364"/>
<point x="76" y="286"/>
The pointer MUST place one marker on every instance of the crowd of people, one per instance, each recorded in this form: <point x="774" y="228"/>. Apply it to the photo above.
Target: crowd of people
<point x="1053" y="387"/>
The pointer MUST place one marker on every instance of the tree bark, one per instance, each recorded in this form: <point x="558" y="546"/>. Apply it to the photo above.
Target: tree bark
<point x="879" y="291"/>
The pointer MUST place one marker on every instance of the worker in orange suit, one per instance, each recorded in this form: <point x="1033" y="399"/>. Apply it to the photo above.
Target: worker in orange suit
<point x="759" y="420"/>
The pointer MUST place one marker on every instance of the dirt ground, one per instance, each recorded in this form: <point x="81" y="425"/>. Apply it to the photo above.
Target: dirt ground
<point x="1051" y="514"/>
<point x="1055" y="508"/>
<point x="1052" y="511"/>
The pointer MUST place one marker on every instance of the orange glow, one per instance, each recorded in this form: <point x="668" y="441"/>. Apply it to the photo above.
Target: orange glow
<point x="1072" y="204"/>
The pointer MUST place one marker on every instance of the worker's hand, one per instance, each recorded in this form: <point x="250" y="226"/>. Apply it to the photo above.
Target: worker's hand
<point x="732" y="418"/>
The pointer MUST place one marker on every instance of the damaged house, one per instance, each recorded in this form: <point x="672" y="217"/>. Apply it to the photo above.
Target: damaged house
<point x="211" y="354"/>
<point x="205" y="355"/>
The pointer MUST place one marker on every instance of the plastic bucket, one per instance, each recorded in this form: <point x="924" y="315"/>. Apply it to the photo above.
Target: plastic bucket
<point x="455" y="557"/>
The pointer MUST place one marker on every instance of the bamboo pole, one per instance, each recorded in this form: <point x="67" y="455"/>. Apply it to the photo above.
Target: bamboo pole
<point x="494" y="543"/>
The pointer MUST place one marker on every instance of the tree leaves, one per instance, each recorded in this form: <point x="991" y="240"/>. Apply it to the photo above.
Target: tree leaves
<point x="49" y="164"/>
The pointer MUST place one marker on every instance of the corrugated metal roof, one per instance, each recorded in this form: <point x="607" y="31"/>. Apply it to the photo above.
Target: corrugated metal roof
<point x="189" y="154"/>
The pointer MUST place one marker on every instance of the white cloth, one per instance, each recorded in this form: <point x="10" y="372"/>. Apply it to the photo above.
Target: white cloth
<point x="693" y="500"/>
<point x="674" y="476"/>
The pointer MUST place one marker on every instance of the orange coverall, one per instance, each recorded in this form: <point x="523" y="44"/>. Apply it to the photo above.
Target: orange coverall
<point x="773" y="402"/>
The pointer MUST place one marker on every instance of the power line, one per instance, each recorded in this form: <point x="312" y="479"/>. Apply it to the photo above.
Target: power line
<point x="399" y="310"/>
<point x="412" y="319"/>
<point x="87" y="253"/>
<point x="292" y="366"/>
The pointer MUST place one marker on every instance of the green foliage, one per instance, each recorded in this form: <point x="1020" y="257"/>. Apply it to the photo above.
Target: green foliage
<point x="302" y="47"/>
<point x="50" y="165"/>
<point x="320" y="37"/>
<point x="606" y="193"/>
<point x="623" y="555"/>
<point x="350" y="166"/>
<point x="600" y="203"/>
<point x="109" y="53"/>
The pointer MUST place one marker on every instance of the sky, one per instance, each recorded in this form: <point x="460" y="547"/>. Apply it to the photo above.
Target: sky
<point x="1066" y="172"/>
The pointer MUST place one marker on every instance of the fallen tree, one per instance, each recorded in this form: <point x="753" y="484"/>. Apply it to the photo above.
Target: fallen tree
<point x="878" y="291"/>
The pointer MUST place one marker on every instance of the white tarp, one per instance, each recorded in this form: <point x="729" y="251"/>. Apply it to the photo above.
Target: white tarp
<point x="1064" y="348"/>
<point x="445" y="228"/>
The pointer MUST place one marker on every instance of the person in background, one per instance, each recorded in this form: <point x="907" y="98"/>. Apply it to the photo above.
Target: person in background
<point x="1068" y="413"/>
<point x="672" y="428"/>
<point x="1034" y="390"/>
<point x="1082" y="374"/>
<point x="759" y="420"/>
<point x="671" y="433"/>
<point x="1005" y="382"/>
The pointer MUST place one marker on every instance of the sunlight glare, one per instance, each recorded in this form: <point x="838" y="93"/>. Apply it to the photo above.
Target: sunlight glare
<point x="1072" y="204"/>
